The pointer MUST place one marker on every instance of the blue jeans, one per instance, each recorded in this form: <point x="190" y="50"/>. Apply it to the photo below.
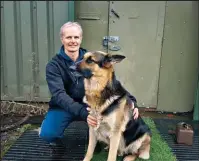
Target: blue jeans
<point x="54" y="124"/>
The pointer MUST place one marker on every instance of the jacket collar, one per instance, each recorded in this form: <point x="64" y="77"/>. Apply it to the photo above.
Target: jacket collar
<point x="67" y="58"/>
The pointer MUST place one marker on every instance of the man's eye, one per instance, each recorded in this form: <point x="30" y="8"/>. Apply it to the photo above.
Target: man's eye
<point x="89" y="60"/>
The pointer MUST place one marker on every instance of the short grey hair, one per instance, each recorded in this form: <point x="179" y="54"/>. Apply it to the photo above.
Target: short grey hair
<point x="69" y="24"/>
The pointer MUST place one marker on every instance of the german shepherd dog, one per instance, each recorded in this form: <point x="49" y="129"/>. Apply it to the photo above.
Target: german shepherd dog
<point x="109" y="102"/>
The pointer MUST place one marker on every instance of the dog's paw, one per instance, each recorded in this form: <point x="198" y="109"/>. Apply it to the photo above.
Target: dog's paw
<point x="144" y="155"/>
<point x="86" y="159"/>
<point x="130" y="158"/>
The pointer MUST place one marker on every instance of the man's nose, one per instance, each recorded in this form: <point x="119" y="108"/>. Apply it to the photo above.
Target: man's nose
<point x="73" y="39"/>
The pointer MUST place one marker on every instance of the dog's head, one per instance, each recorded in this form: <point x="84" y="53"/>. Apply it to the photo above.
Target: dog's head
<point x="98" y="64"/>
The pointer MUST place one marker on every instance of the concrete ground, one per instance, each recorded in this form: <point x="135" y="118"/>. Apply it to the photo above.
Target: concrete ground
<point x="155" y="114"/>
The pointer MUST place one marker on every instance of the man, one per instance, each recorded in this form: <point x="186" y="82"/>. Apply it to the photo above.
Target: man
<point x="67" y="90"/>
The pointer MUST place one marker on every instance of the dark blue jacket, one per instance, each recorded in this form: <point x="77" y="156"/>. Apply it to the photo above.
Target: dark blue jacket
<point x="66" y="89"/>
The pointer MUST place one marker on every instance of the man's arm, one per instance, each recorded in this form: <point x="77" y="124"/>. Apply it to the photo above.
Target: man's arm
<point x="62" y="99"/>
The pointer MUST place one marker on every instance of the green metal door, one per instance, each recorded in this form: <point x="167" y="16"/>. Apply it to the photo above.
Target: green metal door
<point x="139" y="27"/>
<point x="159" y="71"/>
<point x="93" y="17"/>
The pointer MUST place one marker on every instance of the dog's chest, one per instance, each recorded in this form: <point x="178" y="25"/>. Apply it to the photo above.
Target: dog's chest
<point x="103" y="131"/>
<point x="103" y="128"/>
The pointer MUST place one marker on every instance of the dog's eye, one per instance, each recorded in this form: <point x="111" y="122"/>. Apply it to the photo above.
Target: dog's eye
<point x="89" y="60"/>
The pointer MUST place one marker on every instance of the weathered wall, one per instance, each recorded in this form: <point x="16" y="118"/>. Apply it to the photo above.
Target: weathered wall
<point x="162" y="55"/>
<point x="29" y="38"/>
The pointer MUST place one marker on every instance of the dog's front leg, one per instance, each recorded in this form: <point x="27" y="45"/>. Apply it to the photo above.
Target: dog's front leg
<point x="114" y="144"/>
<point x="91" y="145"/>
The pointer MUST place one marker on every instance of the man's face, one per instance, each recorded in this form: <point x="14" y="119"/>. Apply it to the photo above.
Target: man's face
<point x="71" y="39"/>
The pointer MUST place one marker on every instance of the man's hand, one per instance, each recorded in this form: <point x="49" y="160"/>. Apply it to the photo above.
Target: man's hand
<point x="92" y="121"/>
<point x="135" y="111"/>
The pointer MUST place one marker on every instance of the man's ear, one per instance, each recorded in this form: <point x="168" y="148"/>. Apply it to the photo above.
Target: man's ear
<point x="112" y="59"/>
<point x="61" y="38"/>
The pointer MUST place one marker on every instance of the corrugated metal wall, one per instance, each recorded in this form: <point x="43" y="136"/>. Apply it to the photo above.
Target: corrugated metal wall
<point x="29" y="38"/>
<point x="179" y="60"/>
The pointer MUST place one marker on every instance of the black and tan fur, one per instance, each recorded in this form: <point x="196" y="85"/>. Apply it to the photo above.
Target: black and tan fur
<point x="108" y="100"/>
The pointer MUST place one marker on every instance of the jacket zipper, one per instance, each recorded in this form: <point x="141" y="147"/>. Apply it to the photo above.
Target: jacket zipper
<point x="70" y="73"/>
<point x="74" y="78"/>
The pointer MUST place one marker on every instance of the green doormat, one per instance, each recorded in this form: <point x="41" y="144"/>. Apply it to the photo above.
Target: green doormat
<point x="160" y="151"/>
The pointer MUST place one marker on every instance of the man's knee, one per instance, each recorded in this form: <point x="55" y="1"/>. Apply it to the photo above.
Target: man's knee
<point x="54" y="124"/>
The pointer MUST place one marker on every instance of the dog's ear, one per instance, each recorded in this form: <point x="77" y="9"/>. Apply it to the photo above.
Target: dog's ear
<point x="112" y="59"/>
<point x="117" y="58"/>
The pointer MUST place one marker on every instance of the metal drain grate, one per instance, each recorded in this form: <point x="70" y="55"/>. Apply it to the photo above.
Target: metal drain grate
<point x="182" y="152"/>
<point x="29" y="147"/>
